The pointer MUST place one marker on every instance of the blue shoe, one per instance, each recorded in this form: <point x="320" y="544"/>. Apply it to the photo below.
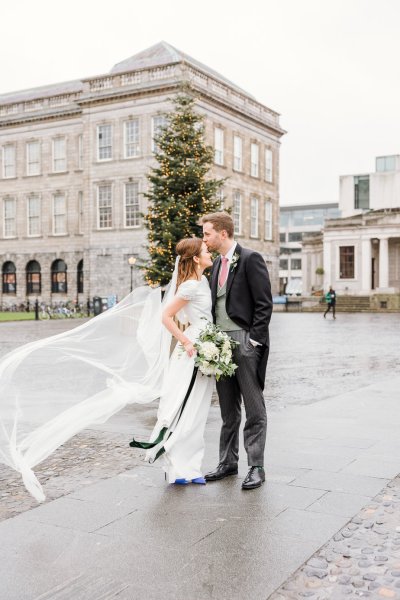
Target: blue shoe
<point x="181" y="482"/>
<point x="199" y="480"/>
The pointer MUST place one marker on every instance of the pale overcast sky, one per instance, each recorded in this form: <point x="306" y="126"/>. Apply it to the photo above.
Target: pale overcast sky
<point x="331" y="68"/>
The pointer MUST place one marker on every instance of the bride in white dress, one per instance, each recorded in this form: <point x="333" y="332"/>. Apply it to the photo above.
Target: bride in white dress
<point x="183" y="436"/>
<point x="54" y="387"/>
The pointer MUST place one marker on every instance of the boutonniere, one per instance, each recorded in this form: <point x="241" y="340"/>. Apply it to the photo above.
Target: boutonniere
<point x="234" y="261"/>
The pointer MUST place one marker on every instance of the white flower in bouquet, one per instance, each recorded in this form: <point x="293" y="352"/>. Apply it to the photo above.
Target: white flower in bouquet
<point x="214" y="352"/>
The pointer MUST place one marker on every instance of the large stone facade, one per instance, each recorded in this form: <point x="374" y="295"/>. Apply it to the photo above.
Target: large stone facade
<point x="73" y="172"/>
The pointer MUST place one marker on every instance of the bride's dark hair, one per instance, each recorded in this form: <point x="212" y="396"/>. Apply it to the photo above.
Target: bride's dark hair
<point x="187" y="249"/>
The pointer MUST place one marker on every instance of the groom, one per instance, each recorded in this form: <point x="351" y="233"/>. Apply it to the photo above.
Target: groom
<point x="241" y="306"/>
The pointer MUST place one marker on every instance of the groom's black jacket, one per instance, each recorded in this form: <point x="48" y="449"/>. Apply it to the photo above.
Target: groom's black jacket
<point x="248" y="298"/>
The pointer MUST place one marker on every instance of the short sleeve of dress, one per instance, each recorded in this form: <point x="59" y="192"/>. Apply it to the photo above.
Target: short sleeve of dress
<point x="188" y="289"/>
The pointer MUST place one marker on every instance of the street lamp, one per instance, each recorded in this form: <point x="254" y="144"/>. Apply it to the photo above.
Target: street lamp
<point x="132" y="262"/>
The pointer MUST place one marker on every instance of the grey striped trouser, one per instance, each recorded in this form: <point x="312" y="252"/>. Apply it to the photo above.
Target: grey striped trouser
<point x="244" y="384"/>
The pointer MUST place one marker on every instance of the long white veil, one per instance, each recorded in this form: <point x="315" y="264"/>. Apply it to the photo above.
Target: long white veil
<point x="53" y="388"/>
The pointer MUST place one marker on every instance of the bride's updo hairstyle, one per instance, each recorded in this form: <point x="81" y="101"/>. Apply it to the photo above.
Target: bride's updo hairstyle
<point x="187" y="249"/>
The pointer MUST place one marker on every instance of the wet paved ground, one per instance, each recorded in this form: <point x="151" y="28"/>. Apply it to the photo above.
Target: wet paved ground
<point x="311" y="360"/>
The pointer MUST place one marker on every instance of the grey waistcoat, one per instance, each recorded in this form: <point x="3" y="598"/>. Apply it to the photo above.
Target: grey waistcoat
<point x="222" y="317"/>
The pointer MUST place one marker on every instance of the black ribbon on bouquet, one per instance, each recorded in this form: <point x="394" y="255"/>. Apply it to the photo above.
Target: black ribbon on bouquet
<point x="148" y="445"/>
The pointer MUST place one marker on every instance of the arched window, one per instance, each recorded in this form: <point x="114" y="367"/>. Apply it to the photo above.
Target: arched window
<point x="79" y="277"/>
<point x="33" y="278"/>
<point x="9" y="277"/>
<point x="59" y="277"/>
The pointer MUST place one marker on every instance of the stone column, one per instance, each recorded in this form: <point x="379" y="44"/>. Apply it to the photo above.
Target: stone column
<point x="383" y="263"/>
<point x="327" y="265"/>
<point x="366" y="265"/>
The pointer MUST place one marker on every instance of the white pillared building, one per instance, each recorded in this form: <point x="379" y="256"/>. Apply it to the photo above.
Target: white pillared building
<point x="73" y="164"/>
<point x="360" y="251"/>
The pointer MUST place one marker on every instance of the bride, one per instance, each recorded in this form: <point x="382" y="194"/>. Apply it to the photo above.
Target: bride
<point x="183" y="430"/>
<point x="55" y="387"/>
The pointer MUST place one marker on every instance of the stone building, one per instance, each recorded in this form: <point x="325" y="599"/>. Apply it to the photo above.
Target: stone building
<point x="361" y="250"/>
<point x="74" y="158"/>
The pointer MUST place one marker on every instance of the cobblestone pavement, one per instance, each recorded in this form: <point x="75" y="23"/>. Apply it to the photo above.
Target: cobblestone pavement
<point x="362" y="559"/>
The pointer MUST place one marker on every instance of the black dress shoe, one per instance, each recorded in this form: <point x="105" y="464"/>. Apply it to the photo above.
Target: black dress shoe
<point x="220" y="472"/>
<point x="254" y="478"/>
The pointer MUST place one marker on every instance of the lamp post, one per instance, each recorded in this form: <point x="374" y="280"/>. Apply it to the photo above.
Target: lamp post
<point x="132" y="262"/>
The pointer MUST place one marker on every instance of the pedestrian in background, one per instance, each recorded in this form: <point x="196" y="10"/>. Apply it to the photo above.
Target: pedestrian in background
<point x="330" y="298"/>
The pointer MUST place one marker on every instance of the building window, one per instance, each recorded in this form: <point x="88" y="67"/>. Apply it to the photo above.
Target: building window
<point x="33" y="215"/>
<point x="9" y="161"/>
<point x="80" y="151"/>
<point x="59" y="277"/>
<point x="33" y="278"/>
<point x="283" y="264"/>
<point x="268" y="220"/>
<point x="33" y="158"/>
<point x="282" y="237"/>
<point x="131" y="138"/>
<point x="80" y="212"/>
<point x="158" y="122"/>
<point x="79" y="277"/>
<point x="220" y="195"/>
<point x="254" y="217"/>
<point x="104" y="206"/>
<point x="295" y="236"/>
<point x="9" y="217"/>
<point x="104" y="142"/>
<point x="59" y="155"/>
<point x="361" y="192"/>
<point x="132" y="205"/>
<point x="237" y="153"/>
<point x="268" y="165"/>
<point x="237" y="213"/>
<point x="295" y="264"/>
<point x="385" y="163"/>
<point x="59" y="214"/>
<point x="9" y="278"/>
<point x="346" y="262"/>
<point x="218" y="146"/>
<point x="254" y="162"/>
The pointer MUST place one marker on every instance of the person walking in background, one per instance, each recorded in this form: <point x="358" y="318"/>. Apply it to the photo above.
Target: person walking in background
<point x="330" y="298"/>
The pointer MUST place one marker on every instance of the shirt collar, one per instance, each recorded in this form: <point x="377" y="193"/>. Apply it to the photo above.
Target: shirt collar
<point x="231" y="252"/>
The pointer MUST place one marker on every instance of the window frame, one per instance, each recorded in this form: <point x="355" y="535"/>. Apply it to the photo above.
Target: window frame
<point x="38" y="216"/>
<point x="110" y="145"/>
<point x="254" y="218"/>
<point x="99" y="186"/>
<point x="63" y="158"/>
<point x="237" y="157"/>
<point x="237" y="216"/>
<point x="353" y="265"/>
<point x="29" y="162"/>
<point x="138" y="218"/>
<point x="269" y="236"/>
<point x="126" y="143"/>
<point x="5" y="218"/>
<point x="219" y="154"/>
<point x="254" y="164"/>
<point x="5" y="165"/>
<point x="12" y="275"/>
<point x="269" y="165"/>
<point x="63" y="214"/>
<point x="155" y="130"/>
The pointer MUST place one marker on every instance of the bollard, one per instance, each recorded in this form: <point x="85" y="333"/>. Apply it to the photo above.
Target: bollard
<point x="36" y="310"/>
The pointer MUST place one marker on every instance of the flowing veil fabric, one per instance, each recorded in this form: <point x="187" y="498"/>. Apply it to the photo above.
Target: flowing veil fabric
<point x="53" y="388"/>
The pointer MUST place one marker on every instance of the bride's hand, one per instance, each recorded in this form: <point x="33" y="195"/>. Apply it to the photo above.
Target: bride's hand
<point x="190" y="349"/>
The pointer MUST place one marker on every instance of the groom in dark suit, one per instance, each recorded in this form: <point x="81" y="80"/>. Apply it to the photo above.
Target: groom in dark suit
<point x="241" y="306"/>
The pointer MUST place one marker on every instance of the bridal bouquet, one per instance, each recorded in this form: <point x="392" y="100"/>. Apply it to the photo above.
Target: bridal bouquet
<point x="214" y="352"/>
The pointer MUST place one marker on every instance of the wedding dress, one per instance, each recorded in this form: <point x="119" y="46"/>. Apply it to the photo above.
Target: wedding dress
<point x="55" y="387"/>
<point x="184" y="445"/>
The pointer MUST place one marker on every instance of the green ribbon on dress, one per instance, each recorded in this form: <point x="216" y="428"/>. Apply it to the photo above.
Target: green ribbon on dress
<point x="148" y="445"/>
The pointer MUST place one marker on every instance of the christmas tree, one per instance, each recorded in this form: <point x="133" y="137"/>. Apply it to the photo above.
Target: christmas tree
<point x="179" y="191"/>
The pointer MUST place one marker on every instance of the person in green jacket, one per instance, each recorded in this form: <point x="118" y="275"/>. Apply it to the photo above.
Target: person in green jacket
<point x="330" y="298"/>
